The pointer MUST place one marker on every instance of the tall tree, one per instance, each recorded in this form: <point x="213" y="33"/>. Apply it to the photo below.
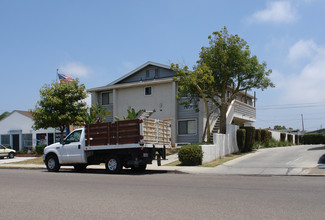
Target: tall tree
<point x="194" y="84"/>
<point x="229" y="61"/>
<point x="60" y="104"/>
<point x="4" y="115"/>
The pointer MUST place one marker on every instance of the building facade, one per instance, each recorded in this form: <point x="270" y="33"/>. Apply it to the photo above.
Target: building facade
<point x="151" y="87"/>
<point x="16" y="131"/>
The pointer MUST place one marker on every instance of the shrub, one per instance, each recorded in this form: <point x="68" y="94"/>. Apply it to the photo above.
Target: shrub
<point x="241" y="136"/>
<point x="40" y="149"/>
<point x="297" y="139"/>
<point x="283" y="137"/>
<point x="250" y="137"/>
<point x="9" y="147"/>
<point x="301" y="139"/>
<point x="190" y="155"/>
<point x="258" y="135"/>
<point x="265" y="135"/>
<point x="290" y="138"/>
<point x="314" y="139"/>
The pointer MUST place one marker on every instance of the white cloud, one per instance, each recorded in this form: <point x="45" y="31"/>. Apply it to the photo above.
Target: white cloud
<point x="75" y="69"/>
<point x="302" y="49"/>
<point x="308" y="85"/>
<point x="277" y="12"/>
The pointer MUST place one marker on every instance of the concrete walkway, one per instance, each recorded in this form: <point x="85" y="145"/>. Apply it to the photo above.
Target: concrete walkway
<point x="285" y="161"/>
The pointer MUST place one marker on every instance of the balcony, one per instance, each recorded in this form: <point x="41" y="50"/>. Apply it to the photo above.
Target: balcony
<point x="239" y="113"/>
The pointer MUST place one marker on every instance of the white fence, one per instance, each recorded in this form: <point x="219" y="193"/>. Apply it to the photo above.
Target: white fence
<point x="223" y="144"/>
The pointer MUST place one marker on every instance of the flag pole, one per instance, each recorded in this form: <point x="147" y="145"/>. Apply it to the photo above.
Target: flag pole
<point x="57" y="75"/>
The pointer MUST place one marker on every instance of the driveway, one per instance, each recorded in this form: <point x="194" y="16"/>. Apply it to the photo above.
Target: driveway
<point x="294" y="160"/>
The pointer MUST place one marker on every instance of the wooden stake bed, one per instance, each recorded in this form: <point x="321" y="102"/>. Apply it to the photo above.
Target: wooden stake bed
<point x="130" y="133"/>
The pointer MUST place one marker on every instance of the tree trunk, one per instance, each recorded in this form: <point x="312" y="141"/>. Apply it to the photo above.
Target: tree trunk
<point x="223" y="118"/>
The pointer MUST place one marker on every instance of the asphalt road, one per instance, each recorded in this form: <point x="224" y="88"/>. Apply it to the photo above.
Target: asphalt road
<point x="38" y="194"/>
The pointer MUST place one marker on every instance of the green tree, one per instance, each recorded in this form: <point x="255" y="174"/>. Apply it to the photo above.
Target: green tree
<point x="279" y="127"/>
<point x="4" y="115"/>
<point x="194" y="84"/>
<point x="132" y="114"/>
<point x="96" y="114"/>
<point x="60" y="104"/>
<point x="229" y="61"/>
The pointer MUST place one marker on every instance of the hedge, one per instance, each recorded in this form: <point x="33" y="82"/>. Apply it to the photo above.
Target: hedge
<point x="190" y="155"/>
<point x="258" y="136"/>
<point x="250" y="138"/>
<point x="265" y="136"/>
<point x="314" y="139"/>
<point x="283" y="137"/>
<point x="290" y="138"/>
<point x="40" y="149"/>
<point x="297" y="139"/>
<point x="241" y="136"/>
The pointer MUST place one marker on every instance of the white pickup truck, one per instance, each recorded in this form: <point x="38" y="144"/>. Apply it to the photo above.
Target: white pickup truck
<point x="131" y="144"/>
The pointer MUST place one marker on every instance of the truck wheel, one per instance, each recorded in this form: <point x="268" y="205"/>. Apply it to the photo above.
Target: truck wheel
<point x="52" y="163"/>
<point x="140" y="169"/>
<point x="113" y="165"/>
<point x="11" y="155"/>
<point x="80" y="167"/>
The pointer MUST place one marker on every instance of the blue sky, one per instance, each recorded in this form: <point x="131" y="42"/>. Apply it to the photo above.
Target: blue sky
<point x="99" y="41"/>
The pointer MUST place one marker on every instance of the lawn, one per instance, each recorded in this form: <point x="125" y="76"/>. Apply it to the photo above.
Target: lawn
<point x="38" y="160"/>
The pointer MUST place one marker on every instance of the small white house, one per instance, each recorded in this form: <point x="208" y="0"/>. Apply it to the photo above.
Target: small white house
<point x="16" y="131"/>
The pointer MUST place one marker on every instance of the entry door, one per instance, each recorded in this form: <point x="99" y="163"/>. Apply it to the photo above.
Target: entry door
<point x="50" y="139"/>
<point x="15" y="142"/>
<point x="72" y="150"/>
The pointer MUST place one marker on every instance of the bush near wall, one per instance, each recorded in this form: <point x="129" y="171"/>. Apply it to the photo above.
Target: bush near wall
<point x="297" y="139"/>
<point x="190" y="155"/>
<point x="250" y="138"/>
<point x="265" y="135"/>
<point x="241" y="137"/>
<point x="258" y="135"/>
<point x="283" y="137"/>
<point x="314" y="139"/>
<point x="40" y="149"/>
<point x="290" y="138"/>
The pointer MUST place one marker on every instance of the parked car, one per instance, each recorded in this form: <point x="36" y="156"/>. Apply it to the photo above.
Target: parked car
<point x="5" y="152"/>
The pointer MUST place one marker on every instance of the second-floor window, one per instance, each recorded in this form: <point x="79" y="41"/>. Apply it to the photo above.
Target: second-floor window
<point x="107" y="98"/>
<point x="147" y="90"/>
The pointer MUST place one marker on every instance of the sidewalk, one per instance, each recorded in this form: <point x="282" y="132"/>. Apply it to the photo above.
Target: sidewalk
<point x="224" y="169"/>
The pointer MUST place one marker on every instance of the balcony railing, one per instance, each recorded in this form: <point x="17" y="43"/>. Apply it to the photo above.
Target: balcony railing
<point x="240" y="110"/>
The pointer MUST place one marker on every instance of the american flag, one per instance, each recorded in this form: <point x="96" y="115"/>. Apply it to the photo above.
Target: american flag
<point x="65" y="78"/>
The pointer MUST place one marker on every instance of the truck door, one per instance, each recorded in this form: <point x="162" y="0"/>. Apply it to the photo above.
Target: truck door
<point x="72" y="150"/>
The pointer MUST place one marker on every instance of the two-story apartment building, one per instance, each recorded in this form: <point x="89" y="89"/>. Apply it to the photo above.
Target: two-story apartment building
<point x="151" y="87"/>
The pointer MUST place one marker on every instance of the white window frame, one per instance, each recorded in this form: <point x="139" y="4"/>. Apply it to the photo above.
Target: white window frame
<point x="150" y="90"/>
<point x="191" y="119"/>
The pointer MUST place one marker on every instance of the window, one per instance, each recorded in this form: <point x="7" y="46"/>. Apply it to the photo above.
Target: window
<point x="5" y="140"/>
<point x="73" y="137"/>
<point x="107" y="98"/>
<point x="27" y="140"/>
<point x="187" y="127"/>
<point x="147" y="90"/>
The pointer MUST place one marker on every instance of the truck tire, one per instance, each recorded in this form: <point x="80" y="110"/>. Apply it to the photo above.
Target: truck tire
<point x="52" y="163"/>
<point x="80" y="167"/>
<point x="113" y="165"/>
<point x="140" y="169"/>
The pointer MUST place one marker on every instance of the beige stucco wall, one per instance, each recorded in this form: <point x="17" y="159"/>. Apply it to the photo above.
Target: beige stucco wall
<point x="162" y="100"/>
